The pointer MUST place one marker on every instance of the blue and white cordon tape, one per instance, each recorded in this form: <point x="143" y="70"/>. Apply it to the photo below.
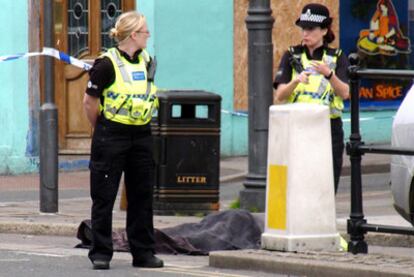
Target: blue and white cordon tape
<point x="46" y="51"/>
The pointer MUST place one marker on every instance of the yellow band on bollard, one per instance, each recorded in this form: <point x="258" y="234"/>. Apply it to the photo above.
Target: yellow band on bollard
<point x="276" y="203"/>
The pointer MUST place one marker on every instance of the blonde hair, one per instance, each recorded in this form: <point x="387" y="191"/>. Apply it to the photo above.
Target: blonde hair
<point x="126" y="24"/>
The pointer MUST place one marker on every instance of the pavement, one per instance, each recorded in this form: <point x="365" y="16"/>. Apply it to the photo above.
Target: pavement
<point x="389" y="254"/>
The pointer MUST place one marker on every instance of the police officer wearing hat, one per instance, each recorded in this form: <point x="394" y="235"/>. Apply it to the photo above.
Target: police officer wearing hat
<point x="312" y="72"/>
<point x="119" y="102"/>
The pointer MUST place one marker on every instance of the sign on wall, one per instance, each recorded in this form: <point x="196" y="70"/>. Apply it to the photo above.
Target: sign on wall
<point x="378" y="30"/>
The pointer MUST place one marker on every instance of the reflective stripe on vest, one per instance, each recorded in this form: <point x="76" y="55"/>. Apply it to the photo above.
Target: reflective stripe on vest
<point x="319" y="89"/>
<point x="131" y="98"/>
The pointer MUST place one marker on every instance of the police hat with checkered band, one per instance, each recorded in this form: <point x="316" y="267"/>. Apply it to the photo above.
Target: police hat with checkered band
<point x="314" y="15"/>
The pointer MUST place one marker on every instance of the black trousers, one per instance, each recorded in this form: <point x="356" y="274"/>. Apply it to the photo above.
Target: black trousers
<point x="337" y="149"/>
<point x="118" y="148"/>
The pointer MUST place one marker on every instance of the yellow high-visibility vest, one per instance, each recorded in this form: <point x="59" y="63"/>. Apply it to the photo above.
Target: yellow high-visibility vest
<point x="131" y="98"/>
<point x="319" y="89"/>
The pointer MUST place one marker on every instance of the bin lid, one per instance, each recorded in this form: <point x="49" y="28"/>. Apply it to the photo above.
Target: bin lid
<point x="197" y="95"/>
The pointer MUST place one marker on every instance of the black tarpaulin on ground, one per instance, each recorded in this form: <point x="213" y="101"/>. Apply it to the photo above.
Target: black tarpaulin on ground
<point x="227" y="230"/>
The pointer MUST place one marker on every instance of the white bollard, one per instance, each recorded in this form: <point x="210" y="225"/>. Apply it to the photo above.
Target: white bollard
<point x="300" y="198"/>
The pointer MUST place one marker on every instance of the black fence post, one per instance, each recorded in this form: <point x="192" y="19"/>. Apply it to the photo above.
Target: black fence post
<point x="355" y="230"/>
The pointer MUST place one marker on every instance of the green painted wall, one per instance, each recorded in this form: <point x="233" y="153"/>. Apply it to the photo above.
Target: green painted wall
<point x="193" y="42"/>
<point x="14" y="107"/>
<point x="375" y="126"/>
<point x="146" y="7"/>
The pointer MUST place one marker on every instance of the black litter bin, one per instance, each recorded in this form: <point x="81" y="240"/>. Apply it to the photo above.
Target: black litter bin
<point x="187" y="152"/>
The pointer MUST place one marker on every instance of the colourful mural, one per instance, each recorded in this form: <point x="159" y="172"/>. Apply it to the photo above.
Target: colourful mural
<point x="377" y="30"/>
<point x="384" y="35"/>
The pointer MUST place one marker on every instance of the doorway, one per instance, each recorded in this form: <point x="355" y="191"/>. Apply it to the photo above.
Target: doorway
<point x="81" y="30"/>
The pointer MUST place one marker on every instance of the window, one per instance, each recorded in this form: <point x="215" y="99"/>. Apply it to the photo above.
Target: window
<point x="110" y="10"/>
<point x="78" y="28"/>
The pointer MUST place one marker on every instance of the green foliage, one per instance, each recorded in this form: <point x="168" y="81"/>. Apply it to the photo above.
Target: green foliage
<point x="235" y="204"/>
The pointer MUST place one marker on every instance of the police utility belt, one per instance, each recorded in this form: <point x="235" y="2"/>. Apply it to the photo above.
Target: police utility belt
<point x="131" y="99"/>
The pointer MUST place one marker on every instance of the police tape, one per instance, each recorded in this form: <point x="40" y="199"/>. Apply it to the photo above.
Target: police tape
<point x="344" y="120"/>
<point x="370" y="118"/>
<point x="240" y="114"/>
<point x="51" y="52"/>
<point x="47" y="51"/>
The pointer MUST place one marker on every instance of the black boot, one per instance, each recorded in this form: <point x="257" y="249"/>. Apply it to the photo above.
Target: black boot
<point x="147" y="260"/>
<point x="100" y="264"/>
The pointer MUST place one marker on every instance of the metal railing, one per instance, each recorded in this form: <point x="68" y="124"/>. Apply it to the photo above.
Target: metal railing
<point x="357" y="225"/>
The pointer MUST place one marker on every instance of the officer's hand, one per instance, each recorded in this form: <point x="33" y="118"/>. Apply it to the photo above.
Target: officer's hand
<point x="321" y="67"/>
<point x="303" y="77"/>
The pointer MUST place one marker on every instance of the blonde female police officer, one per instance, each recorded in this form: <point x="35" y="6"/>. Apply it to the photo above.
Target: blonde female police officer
<point x="118" y="102"/>
<point x="311" y="72"/>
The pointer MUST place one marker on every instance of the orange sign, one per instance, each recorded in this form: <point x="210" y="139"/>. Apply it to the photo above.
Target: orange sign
<point x="381" y="92"/>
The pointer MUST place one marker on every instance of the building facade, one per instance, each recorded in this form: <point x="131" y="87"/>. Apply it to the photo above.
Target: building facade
<point x="198" y="44"/>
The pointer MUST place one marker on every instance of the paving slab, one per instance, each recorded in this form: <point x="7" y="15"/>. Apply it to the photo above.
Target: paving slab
<point x="315" y="263"/>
